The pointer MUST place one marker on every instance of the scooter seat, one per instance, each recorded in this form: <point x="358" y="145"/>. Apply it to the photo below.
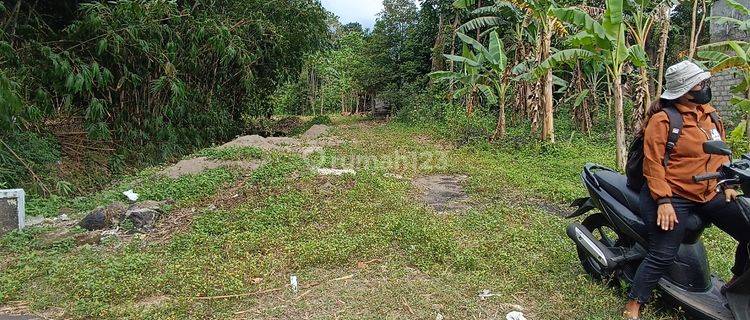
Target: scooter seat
<point x="617" y="185"/>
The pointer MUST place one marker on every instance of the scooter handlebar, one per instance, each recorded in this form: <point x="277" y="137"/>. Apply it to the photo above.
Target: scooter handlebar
<point x="707" y="176"/>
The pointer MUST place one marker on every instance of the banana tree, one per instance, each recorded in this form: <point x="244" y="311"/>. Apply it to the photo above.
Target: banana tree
<point x="485" y="72"/>
<point x="604" y="40"/>
<point x="471" y="81"/>
<point x="732" y="55"/>
<point x="545" y="25"/>
<point x="735" y="56"/>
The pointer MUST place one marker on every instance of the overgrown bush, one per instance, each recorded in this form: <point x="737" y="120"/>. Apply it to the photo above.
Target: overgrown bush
<point x="150" y="78"/>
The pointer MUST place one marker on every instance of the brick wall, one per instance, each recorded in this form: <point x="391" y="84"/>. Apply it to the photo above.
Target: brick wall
<point x="722" y="83"/>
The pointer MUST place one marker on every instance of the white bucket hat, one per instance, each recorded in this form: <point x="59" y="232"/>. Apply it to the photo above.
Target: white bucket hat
<point x="681" y="78"/>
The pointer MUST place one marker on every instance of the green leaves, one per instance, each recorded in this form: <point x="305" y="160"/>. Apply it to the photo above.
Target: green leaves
<point x="10" y="102"/>
<point x="581" y="19"/>
<point x="478" y="47"/>
<point x="462" y="59"/>
<point x="738" y="7"/>
<point x="562" y="57"/>
<point x="637" y="56"/>
<point x="497" y="53"/>
<point x="480" y="22"/>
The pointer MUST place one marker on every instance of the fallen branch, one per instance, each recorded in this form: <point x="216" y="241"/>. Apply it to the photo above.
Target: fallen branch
<point x="408" y="307"/>
<point x="303" y="295"/>
<point x="344" y="278"/>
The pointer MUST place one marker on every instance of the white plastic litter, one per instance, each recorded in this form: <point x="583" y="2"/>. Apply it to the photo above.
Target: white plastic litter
<point x="132" y="196"/>
<point x="335" y="172"/>
<point x="439" y="317"/>
<point x="64" y="217"/>
<point x="293" y="282"/>
<point x="484" y="294"/>
<point x="515" y="315"/>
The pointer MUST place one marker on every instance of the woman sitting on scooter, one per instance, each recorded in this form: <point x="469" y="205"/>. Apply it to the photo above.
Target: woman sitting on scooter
<point x="670" y="194"/>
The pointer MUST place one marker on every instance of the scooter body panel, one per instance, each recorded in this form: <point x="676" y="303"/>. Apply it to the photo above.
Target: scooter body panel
<point x="738" y="296"/>
<point x="621" y="217"/>
<point x="709" y="305"/>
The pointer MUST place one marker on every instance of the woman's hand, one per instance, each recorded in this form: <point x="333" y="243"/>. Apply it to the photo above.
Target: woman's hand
<point x="731" y="194"/>
<point x="666" y="218"/>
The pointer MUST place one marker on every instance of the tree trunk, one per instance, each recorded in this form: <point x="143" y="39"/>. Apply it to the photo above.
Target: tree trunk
<point x="662" y="50"/>
<point x="359" y="99"/>
<point x="643" y="98"/>
<point x="534" y="91"/>
<point x="451" y="64"/>
<point x="500" y="128"/>
<point x="582" y="113"/>
<point x="697" y="27"/>
<point x="438" y="63"/>
<point x="470" y="102"/>
<point x="548" y="125"/>
<point x="619" y="122"/>
<point x="343" y="104"/>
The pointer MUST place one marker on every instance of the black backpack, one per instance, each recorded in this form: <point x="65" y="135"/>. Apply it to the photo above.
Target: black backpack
<point x="634" y="167"/>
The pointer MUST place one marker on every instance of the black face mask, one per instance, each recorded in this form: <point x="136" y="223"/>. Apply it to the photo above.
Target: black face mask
<point x="701" y="96"/>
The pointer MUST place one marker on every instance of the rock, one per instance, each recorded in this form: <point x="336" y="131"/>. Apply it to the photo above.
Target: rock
<point x="142" y="220"/>
<point x="142" y="217"/>
<point x="34" y="221"/>
<point x="138" y="218"/>
<point x="103" y="217"/>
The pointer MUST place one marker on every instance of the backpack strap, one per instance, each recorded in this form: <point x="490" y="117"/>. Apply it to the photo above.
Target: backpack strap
<point x="717" y="121"/>
<point x="675" y="128"/>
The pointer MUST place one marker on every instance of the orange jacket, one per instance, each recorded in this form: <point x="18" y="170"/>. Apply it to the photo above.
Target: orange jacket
<point x="687" y="158"/>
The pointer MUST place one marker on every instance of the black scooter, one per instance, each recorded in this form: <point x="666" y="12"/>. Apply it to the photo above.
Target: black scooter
<point x="612" y="242"/>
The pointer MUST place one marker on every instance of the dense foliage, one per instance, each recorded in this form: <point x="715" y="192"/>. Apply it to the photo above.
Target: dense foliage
<point x="143" y="80"/>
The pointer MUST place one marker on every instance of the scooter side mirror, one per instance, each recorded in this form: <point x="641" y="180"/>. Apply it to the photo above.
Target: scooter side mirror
<point x="717" y="147"/>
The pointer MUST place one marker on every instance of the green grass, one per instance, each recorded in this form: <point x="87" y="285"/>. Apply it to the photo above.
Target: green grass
<point x="287" y="220"/>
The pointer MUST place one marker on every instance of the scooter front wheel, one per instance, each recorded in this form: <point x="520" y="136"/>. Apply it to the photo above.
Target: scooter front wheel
<point x="600" y="227"/>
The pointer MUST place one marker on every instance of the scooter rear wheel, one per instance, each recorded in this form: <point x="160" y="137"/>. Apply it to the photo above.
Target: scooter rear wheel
<point x="604" y="233"/>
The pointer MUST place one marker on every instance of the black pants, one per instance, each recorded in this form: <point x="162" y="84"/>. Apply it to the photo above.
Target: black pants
<point x="663" y="245"/>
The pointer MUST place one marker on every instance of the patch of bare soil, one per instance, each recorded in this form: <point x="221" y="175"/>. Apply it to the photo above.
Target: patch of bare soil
<point x="309" y="143"/>
<point x="444" y="193"/>
<point x="151" y="302"/>
<point x="198" y="165"/>
<point x="18" y="310"/>
<point x="315" y="132"/>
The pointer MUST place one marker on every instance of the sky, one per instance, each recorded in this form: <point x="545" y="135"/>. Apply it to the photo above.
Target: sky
<point x="362" y="11"/>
